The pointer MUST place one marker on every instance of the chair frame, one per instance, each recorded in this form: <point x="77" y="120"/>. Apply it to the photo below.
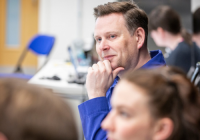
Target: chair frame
<point x="18" y="68"/>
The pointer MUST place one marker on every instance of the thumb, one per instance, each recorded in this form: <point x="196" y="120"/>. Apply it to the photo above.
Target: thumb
<point x="116" y="71"/>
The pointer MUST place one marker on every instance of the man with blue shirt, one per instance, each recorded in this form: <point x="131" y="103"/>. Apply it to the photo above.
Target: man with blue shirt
<point x="120" y="32"/>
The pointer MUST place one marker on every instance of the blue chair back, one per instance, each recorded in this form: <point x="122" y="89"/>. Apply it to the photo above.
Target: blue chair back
<point x="41" y="44"/>
<point x="16" y="75"/>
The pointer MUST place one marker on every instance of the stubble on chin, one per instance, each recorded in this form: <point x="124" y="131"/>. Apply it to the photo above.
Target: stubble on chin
<point x="115" y="65"/>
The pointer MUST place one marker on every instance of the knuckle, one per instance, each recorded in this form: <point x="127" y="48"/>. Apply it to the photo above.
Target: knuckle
<point x="89" y="69"/>
<point x="99" y="62"/>
<point x="94" y="65"/>
<point x="106" y="61"/>
<point x="103" y="70"/>
<point x="96" y="71"/>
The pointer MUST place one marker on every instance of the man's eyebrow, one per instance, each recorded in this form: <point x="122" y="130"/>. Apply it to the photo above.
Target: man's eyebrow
<point x="119" y="107"/>
<point x="110" y="32"/>
<point x="95" y="36"/>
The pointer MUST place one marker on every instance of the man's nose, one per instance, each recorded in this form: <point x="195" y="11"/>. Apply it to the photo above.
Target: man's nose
<point x="104" y="45"/>
<point x="108" y="122"/>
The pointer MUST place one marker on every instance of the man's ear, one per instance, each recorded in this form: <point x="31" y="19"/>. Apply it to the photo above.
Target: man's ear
<point x="140" y="37"/>
<point x="3" y="137"/>
<point x="163" y="129"/>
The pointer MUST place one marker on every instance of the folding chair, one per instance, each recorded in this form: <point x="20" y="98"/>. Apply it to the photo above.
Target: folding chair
<point x="39" y="45"/>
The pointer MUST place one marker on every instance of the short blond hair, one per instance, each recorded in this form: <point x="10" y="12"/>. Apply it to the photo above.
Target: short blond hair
<point x="133" y="15"/>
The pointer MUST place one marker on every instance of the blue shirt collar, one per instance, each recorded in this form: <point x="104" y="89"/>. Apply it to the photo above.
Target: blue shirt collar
<point x="115" y="81"/>
<point x="157" y="60"/>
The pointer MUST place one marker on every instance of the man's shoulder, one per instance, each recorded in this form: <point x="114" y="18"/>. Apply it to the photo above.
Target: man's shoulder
<point x="157" y="59"/>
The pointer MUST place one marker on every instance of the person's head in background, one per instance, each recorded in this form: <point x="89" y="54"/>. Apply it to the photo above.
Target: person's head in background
<point x="154" y="104"/>
<point x="165" y="28"/>
<point x="196" y="27"/>
<point x="28" y="112"/>
<point x="121" y="31"/>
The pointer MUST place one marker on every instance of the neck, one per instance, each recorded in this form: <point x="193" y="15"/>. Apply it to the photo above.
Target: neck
<point x="172" y="41"/>
<point x="143" y="58"/>
<point x="196" y="39"/>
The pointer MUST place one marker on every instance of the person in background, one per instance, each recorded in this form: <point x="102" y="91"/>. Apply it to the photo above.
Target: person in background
<point x="154" y="104"/>
<point x="196" y="27"/>
<point x="166" y="31"/>
<point x="196" y="36"/>
<point x="28" y="112"/>
<point x="121" y="31"/>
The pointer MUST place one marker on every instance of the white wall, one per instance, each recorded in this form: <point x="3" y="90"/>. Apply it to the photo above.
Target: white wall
<point x="88" y="17"/>
<point x="60" y="18"/>
<point x="195" y="4"/>
<point x="56" y="17"/>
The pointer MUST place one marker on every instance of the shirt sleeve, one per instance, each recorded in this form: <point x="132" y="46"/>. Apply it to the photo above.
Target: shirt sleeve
<point x="92" y="113"/>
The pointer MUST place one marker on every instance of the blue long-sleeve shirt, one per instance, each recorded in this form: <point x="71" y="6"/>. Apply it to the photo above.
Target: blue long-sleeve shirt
<point x="92" y="112"/>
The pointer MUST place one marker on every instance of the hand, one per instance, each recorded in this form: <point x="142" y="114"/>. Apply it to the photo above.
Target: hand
<point x="100" y="77"/>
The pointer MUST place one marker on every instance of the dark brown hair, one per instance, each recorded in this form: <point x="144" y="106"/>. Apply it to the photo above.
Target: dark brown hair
<point x="166" y="18"/>
<point x="172" y="95"/>
<point x="133" y="15"/>
<point x="28" y="112"/>
<point x="196" y="21"/>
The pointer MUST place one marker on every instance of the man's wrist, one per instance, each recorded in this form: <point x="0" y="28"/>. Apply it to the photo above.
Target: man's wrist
<point x="95" y="96"/>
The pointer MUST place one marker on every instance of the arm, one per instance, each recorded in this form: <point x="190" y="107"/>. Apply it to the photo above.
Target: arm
<point x="92" y="112"/>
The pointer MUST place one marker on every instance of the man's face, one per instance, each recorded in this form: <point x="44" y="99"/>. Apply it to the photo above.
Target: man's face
<point x="114" y="42"/>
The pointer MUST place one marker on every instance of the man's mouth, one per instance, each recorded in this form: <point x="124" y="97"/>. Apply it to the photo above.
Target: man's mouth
<point x="108" y="57"/>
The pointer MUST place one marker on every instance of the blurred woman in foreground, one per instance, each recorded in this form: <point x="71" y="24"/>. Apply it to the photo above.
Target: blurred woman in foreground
<point x="155" y="104"/>
<point x="28" y="112"/>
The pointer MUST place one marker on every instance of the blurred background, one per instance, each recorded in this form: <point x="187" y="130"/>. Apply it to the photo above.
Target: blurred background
<point x="71" y="22"/>
<point x="68" y="21"/>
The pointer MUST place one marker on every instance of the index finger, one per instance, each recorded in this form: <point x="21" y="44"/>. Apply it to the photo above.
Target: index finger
<point x="107" y="65"/>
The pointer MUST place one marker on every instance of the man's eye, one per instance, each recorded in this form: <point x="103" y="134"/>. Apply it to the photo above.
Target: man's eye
<point x="112" y="36"/>
<point x="124" y="114"/>
<point x="98" y="39"/>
